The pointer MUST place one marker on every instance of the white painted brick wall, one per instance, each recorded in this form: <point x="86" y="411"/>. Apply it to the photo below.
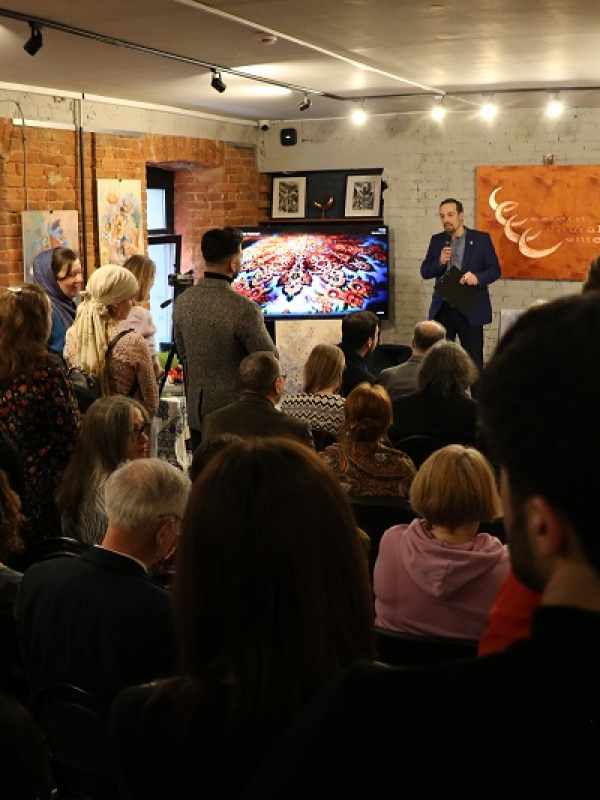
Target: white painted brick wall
<point x="423" y="162"/>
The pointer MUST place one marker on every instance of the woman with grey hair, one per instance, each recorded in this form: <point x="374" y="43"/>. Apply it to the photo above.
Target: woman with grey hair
<point x="442" y="406"/>
<point x="119" y="359"/>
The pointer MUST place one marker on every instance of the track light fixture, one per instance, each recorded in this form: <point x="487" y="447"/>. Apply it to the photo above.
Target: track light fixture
<point x="305" y="104"/>
<point x="359" y="114"/>
<point x="216" y="82"/>
<point x="35" y="41"/>
<point x="438" y="112"/>
<point x="489" y="110"/>
<point x="555" y="106"/>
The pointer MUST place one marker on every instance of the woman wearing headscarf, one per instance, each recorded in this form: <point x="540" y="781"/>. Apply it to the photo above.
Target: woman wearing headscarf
<point x="119" y="359"/>
<point x="58" y="272"/>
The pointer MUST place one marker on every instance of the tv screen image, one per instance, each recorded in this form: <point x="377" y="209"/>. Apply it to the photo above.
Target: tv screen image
<point x="295" y="272"/>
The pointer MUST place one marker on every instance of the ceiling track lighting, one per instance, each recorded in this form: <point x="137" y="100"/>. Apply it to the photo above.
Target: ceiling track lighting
<point x="555" y="106"/>
<point x="438" y="112"/>
<point x="489" y="110"/>
<point x="216" y="82"/>
<point x="359" y="114"/>
<point x="35" y="41"/>
<point x="305" y="104"/>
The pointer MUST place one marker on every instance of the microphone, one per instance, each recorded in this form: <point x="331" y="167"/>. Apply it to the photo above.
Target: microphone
<point x="448" y="240"/>
<point x="166" y="303"/>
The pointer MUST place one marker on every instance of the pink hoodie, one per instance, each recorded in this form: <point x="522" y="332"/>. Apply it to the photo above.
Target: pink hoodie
<point x="429" y="586"/>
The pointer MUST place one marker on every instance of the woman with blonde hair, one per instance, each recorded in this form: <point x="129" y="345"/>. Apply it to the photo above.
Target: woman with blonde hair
<point x="438" y="575"/>
<point x="139" y="318"/>
<point x="38" y="411"/>
<point x="320" y="403"/>
<point x="363" y="464"/>
<point x="119" y="359"/>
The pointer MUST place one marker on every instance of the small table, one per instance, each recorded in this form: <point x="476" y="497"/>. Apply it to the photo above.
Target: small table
<point x="171" y="421"/>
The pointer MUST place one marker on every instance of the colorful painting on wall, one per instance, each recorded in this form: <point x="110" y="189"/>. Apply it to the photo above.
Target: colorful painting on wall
<point x="120" y="230"/>
<point x="43" y="230"/>
<point x="544" y="220"/>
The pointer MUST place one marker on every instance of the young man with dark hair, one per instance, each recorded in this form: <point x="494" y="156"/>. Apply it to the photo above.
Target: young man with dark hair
<point x="215" y="329"/>
<point x="472" y="252"/>
<point x="360" y="336"/>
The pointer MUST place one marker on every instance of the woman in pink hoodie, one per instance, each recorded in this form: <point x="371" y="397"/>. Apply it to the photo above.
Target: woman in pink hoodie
<point x="438" y="575"/>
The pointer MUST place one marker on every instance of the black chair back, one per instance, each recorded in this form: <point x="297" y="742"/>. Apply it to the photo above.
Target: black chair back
<point x="73" y="723"/>
<point x="419" y="446"/>
<point x="374" y="515"/>
<point x="411" y="649"/>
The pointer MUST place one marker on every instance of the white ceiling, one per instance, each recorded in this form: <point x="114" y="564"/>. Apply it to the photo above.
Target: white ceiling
<point x="351" y="49"/>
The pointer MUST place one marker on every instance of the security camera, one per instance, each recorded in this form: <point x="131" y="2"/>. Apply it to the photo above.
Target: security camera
<point x="264" y="125"/>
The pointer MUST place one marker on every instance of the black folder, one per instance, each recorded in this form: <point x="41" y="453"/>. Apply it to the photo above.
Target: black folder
<point x="460" y="295"/>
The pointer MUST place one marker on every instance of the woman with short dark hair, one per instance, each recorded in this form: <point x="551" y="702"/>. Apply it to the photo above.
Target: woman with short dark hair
<point x="272" y="601"/>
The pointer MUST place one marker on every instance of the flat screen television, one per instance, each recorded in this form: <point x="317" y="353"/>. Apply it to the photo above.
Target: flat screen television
<point x="298" y="271"/>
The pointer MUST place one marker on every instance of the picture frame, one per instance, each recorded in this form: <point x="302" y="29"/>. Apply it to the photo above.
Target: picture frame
<point x="289" y="197"/>
<point x="363" y="196"/>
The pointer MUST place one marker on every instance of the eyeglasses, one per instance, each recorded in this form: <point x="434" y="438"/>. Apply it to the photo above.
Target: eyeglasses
<point x="138" y="431"/>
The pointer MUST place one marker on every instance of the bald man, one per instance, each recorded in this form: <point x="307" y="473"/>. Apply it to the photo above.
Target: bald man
<point x="403" y="379"/>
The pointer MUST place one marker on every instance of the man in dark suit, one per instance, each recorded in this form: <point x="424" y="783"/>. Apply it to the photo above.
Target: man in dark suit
<point x="97" y="620"/>
<point x="472" y="252"/>
<point x="254" y="414"/>
<point x="404" y="379"/>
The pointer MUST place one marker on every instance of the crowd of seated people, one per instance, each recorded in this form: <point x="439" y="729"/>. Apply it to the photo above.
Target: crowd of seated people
<point x="266" y="517"/>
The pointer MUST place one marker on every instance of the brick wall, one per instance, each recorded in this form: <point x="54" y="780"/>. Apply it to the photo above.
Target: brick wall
<point x="216" y="183"/>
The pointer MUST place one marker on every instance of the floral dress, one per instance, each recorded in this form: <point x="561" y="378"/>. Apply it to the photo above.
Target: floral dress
<point x="39" y="412"/>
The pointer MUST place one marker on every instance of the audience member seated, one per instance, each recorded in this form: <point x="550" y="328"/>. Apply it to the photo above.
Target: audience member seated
<point x="442" y="406"/>
<point x="438" y="576"/>
<point x="271" y="600"/>
<point x="209" y="448"/>
<point x="96" y="620"/>
<point x="592" y="282"/>
<point x="510" y="617"/>
<point x="524" y="722"/>
<point x="361" y="462"/>
<point x="59" y="273"/>
<point x="319" y="404"/>
<point x="10" y="542"/>
<point x="254" y="414"/>
<point x="404" y="379"/>
<point x="24" y="764"/>
<point x="38" y="410"/>
<point x="115" y="429"/>
<point x="139" y="318"/>
<point x="360" y="336"/>
<point x="119" y="359"/>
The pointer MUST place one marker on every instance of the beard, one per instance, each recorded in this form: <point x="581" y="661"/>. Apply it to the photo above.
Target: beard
<point x="522" y="555"/>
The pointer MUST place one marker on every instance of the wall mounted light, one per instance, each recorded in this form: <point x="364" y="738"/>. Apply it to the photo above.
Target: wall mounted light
<point x="305" y="104"/>
<point x="438" y="112"/>
<point x="554" y="107"/>
<point x="489" y="110"/>
<point x="358" y="114"/>
<point x="35" y="41"/>
<point x="216" y="82"/>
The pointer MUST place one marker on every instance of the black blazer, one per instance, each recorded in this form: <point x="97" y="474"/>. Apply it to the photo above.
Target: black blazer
<point x="453" y="419"/>
<point x="96" y="621"/>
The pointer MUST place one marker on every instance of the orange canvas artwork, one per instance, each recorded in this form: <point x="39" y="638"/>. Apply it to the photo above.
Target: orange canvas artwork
<point x="544" y="221"/>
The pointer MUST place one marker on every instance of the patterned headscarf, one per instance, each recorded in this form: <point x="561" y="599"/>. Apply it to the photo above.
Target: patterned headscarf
<point x="44" y="276"/>
<point x="108" y="286"/>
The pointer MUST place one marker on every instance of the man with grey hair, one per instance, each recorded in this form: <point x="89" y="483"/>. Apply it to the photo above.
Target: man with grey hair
<point x="254" y="414"/>
<point x="404" y="379"/>
<point x="97" y="620"/>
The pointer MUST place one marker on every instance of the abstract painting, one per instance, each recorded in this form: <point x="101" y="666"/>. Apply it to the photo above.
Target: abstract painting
<point x="43" y="230"/>
<point x="120" y="229"/>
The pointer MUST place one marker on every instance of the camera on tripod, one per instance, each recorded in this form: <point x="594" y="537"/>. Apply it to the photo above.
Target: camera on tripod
<point x="180" y="281"/>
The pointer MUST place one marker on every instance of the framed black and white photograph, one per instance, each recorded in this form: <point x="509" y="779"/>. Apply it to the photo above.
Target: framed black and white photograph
<point x="363" y="196"/>
<point x="289" y="197"/>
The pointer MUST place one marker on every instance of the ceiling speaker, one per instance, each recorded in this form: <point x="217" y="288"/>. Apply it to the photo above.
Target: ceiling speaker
<point x="289" y="136"/>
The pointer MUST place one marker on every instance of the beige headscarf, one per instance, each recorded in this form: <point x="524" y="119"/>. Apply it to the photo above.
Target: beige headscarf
<point x="108" y="286"/>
